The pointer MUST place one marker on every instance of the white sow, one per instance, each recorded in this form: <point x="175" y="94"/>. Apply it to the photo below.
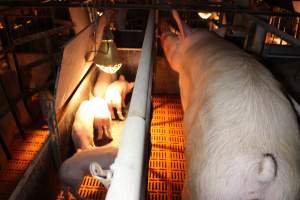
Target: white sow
<point x="242" y="137"/>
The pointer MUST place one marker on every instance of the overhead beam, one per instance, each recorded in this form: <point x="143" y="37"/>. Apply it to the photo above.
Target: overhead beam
<point x="37" y="63"/>
<point x="40" y="35"/>
<point x="205" y="6"/>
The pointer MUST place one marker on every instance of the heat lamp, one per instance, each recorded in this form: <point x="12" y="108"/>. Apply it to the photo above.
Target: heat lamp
<point x="107" y="58"/>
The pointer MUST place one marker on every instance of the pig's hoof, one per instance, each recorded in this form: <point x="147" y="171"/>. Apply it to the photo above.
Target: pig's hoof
<point x="109" y="138"/>
<point x="122" y="118"/>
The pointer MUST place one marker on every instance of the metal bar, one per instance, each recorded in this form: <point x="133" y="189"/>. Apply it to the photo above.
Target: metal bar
<point x="205" y="6"/>
<point x="37" y="62"/>
<point x="142" y="76"/>
<point x="147" y="147"/>
<point x="4" y="110"/>
<point x="19" y="75"/>
<point x="290" y="39"/>
<point x="48" y="109"/>
<point x="13" y="111"/>
<point x="5" y="148"/>
<point x="279" y="51"/>
<point x="13" y="101"/>
<point x="12" y="106"/>
<point x="40" y="35"/>
<point x="258" y="40"/>
<point x="25" y="16"/>
<point x="129" y="165"/>
<point x="20" y="81"/>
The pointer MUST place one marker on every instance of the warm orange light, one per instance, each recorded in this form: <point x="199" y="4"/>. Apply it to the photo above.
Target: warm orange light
<point x="99" y="13"/>
<point x="16" y="26"/>
<point x="215" y="16"/>
<point x="272" y="39"/>
<point x="278" y="40"/>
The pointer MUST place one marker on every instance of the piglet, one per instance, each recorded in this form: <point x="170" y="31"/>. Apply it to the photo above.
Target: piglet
<point x="91" y="114"/>
<point x="115" y="95"/>
<point x="101" y="84"/>
<point x="242" y="136"/>
<point x="83" y="127"/>
<point x="73" y="170"/>
<point x="102" y="117"/>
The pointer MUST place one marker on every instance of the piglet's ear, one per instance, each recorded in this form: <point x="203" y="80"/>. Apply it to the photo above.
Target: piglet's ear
<point x="122" y="77"/>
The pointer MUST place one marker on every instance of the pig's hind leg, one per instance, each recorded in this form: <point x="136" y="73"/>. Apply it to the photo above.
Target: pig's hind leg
<point x="119" y="112"/>
<point x="75" y="194"/>
<point x="75" y="186"/>
<point x="107" y="128"/>
<point x="99" y="129"/>
<point x="73" y="191"/>
<point x="111" y="110"/>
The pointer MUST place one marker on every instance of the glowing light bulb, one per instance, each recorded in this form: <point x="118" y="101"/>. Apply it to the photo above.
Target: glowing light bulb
<point x="204" y="15"/>
<point x="99" y="13"/>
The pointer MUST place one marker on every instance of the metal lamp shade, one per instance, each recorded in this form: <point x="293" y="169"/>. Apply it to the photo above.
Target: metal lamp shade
<point x="107" y="58"/>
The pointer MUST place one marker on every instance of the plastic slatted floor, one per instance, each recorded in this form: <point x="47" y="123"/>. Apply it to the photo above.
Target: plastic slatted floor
<point x="167" y="161"/>
<point x="90" y="188"/>
<point x="23" y="152"/>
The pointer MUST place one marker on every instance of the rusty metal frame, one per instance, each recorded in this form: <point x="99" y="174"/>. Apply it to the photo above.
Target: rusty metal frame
<point x="206" y="6"/>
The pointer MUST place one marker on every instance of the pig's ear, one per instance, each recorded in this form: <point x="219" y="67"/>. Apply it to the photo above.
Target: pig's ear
<point x="130" y="86"/>
<point x="122" y="77"/>
<point x="184" y="29"/>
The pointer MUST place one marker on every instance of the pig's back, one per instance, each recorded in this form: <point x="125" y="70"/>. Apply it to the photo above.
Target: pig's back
<point x="237" y="91"/>
<point x="104" y="155"/>
<point x="114" y="91"/>
<point x="236" y="109"/>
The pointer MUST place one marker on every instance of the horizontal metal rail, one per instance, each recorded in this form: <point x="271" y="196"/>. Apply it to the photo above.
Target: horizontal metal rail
<point x="205" y="6"/>
<point x="40" y="35"/>
<point x="38" y="62"/>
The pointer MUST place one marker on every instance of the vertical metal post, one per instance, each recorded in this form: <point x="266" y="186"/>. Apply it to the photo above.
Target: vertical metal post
<point x="5" y="148"/>
<point x="49" y="45"/>
<point x="48" y="109"/>
<point x="13" y="111"/>
<point x="258" y="40"/>
<point x="19" y="75"/>
<point x="143" y="72"/>
<point x="250" y="34"/>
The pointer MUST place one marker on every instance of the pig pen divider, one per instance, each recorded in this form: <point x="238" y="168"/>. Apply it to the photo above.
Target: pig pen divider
<point x="129" y="165"/>
<point x="260" y="30"/>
